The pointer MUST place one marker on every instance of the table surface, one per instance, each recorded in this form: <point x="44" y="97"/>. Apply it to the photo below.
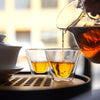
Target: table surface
<point x="94" y="95"/>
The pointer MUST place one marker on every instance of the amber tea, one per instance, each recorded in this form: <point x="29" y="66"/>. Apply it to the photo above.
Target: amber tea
<point x="62" y="63"/>
<point x="40" y="67"/>
<point x="37" y="61"/>
<point x="88" y="39"/>
<point x="62" y="69"/>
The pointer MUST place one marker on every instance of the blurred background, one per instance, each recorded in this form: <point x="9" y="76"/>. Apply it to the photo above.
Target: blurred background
<point x="32" y="24"/>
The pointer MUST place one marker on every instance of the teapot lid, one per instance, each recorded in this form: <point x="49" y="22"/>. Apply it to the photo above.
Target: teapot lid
<point x="92" y="6"/>
<point x="92" y="9"/>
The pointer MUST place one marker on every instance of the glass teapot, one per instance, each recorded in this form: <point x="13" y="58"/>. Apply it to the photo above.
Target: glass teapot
<point x="84" y="24"/>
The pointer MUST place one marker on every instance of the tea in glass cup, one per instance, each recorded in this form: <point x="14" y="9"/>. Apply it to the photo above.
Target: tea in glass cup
<point x="62" y="63"/>
<point x="37" y="61"/>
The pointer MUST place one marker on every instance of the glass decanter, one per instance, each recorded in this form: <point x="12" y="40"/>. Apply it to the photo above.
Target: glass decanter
<point x="85" y="27"/>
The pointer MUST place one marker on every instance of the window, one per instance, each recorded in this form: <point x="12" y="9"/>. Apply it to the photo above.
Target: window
<point x="22" y="4"/>
<point x="49" y="37"/>
<point x="23" y="36"/>
<point x="49" y="3"/>
<point x="2" y="4"/>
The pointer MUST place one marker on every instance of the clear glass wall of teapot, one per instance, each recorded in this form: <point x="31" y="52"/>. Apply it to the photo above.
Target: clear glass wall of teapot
<point x="86" y="29"/>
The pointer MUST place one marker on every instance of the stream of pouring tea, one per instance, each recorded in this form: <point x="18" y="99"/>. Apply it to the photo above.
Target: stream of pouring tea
<point x="63" y="33"/>
<point x="62" y="69"/>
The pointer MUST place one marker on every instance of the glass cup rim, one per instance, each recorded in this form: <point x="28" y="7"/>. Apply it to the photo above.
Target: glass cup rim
<point x="36" y="49"/>
<point x="75" y="48"/>
<point x="63" y="49"/>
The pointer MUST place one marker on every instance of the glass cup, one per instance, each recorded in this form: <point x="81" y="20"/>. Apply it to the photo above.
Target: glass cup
<point x="62" y="63"/>
<point x="37" y="61"/>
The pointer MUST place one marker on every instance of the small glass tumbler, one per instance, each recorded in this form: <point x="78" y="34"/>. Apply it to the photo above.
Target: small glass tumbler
<point x="62" y="63"/>
<point x="37" y="61"/>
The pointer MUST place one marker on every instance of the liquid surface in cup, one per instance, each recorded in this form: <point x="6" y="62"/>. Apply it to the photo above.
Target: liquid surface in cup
<point x="40" y="67"/>
<point x="62" y="69"/>
<point x="88" y="39"/>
